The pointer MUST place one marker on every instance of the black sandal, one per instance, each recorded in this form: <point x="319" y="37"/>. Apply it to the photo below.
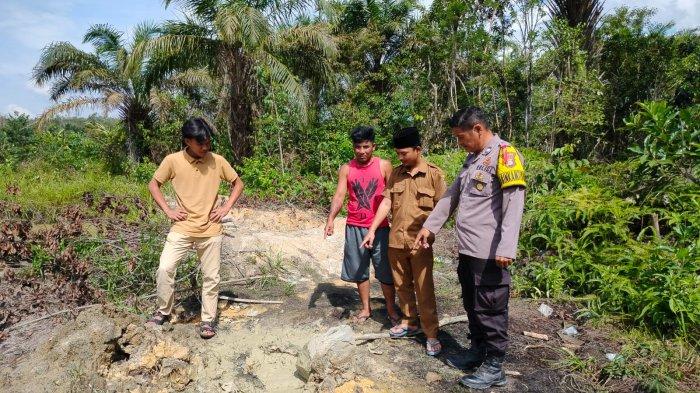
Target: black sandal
<point x="158" y="318"/>
<point x="206" y="330"/>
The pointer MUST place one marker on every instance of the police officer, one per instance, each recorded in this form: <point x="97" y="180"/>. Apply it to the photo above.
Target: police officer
<point x="488" y="195"/>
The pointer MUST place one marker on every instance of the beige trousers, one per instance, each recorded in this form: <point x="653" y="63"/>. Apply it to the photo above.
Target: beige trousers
<point x="413" y="280"/>
<point x="209" y="253"/>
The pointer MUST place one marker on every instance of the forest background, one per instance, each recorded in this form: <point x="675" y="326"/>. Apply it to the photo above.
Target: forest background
<point x="605" y="108"/>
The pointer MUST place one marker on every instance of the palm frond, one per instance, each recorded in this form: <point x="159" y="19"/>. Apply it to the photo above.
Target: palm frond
<point x="144" y="32"/>
<point x="95" y="80"/>
<point x="62" y="59"/>
<point x="162" y="103"/>
<point x="192" y="79"/>
<point x="105" y="38"/>
<point x="282" y="13"/>
<point x="242" y="26"/>
<point x="168" y="53"/>
<point x="202" y="8"/>
<point x="585" y="14"/>
<point x="315" y="37"/>
<point x="190" y="26"/>
<point x="107" y="103"/>
<point x="282" y="78"/>
<point x="136" y="60"/>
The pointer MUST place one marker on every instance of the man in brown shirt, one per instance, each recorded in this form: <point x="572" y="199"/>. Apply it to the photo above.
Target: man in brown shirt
<point x="413" y="189"/>
<point x="488" y="197"/>
<point x="195" y="174"/>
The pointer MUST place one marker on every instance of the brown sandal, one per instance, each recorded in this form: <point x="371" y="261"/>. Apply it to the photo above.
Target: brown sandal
<point x="206" y="330"/>
<point x="394" y="321"/>
<point x="158" y="318"/>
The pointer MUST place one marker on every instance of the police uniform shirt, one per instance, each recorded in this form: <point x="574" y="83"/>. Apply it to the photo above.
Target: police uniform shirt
<point x="489" y="196"/>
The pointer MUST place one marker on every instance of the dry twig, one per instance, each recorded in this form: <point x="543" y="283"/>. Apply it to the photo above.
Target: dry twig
<point x="23" y="324"/>
<point x="536" y="335"/>
<point x="374" y="336"/>
<point x="253" y="301"/>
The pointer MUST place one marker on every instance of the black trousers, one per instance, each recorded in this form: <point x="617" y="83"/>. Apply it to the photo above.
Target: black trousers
<point x="485" y="293"/>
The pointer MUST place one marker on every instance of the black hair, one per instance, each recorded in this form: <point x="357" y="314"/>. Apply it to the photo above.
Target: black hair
<point x="362" y="133"/>
<point x="197" y="128"/>
<point x="467" y="118"/>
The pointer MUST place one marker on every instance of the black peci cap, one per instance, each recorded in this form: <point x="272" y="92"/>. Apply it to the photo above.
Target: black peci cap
<point x="406" y="137"/>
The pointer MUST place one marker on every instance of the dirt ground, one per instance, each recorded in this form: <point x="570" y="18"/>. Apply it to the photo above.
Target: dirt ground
<point x="258" y="345"/>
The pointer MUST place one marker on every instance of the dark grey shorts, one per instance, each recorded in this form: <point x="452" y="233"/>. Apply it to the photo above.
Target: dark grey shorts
<point x="356" y="259"/>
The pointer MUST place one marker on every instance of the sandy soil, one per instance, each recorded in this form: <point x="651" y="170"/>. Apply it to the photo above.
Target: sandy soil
<point x="257" y="346"/>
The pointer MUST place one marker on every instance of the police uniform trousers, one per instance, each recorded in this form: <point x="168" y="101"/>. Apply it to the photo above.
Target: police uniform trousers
<point x="485" y="293"/>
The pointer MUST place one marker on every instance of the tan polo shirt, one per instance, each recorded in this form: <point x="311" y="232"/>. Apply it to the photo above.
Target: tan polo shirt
<point x="412" y="200"/>
<point x="196" y="184"/>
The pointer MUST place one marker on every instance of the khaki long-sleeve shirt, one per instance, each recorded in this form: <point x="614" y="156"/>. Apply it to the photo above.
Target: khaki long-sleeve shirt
<point x="412" y="199"/>
<point x="488" y="216"/>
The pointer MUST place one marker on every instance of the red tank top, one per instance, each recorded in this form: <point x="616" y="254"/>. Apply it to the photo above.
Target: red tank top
<point x="365" y="185"/>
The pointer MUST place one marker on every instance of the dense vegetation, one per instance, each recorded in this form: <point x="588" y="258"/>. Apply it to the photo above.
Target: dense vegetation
<point x="606" y="109"/>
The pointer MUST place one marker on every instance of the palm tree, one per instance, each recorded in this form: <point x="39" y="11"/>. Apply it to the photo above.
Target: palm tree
<point x="246" y="45"/>
<point x="375" y="31"/>
<point x="113" y="78"/>
<point x="585" y="14"/>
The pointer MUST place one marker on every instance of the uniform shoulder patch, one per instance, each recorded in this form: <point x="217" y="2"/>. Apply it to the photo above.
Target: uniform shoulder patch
<point x="510" y="169"/>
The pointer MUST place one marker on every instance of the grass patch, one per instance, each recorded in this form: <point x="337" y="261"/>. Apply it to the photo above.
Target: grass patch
<point x="36" y="187"/>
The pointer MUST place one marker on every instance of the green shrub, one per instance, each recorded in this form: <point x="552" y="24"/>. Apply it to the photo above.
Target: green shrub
<point x="582" y="237"/>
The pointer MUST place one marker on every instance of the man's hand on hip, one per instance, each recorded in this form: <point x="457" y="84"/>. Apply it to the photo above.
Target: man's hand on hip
<point x="217" y="214"/>
<point x="178" y="214"/>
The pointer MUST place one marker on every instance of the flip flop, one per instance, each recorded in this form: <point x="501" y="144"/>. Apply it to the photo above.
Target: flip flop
<point x="404" y="332"/>
<point x="206" y="330"/>
<point x="433" y="347"/>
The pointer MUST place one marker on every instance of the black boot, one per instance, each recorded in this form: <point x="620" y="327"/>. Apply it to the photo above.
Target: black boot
<point x="490" y="373"/>
<point x="470" y="359"/>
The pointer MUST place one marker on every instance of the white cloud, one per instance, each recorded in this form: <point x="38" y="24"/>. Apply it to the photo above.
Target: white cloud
<point x="44" y="91"/>
<point x="14" y="108"/>
<point x="685" y="14"/>
<point x="34" y="28"/>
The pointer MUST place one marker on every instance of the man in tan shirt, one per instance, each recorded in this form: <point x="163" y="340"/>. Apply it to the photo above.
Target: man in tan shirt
<point x="195" y="174"/>
<point x="413" y="189"/>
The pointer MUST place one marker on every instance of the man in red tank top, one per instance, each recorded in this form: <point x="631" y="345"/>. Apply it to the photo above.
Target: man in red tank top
<point x="364" y="178"/>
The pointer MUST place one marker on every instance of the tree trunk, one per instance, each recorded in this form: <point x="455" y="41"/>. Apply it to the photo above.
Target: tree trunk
<point x="241" y="100"/>
<point x="132" y="149"/>
<point x="131" y="116"/>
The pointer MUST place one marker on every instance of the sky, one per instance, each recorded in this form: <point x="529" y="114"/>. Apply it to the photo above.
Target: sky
<point x="26" y="26"/>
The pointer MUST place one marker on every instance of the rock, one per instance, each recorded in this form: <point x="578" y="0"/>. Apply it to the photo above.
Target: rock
<point x="362" y="385"/>
<point x="570" y="331"/>
<point x="176" y="372"/>
<point x="242" y="312"/>
<point x="331" y="350"/>
<point x="337" y="312"/>
<point x="545" y="310"/>
<point x="572" y="343"/>
<point x="613" y="356"/>
<point x="228" y="387"/>
<point x="373" y="350"/>
<point x="432" y="377"/>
